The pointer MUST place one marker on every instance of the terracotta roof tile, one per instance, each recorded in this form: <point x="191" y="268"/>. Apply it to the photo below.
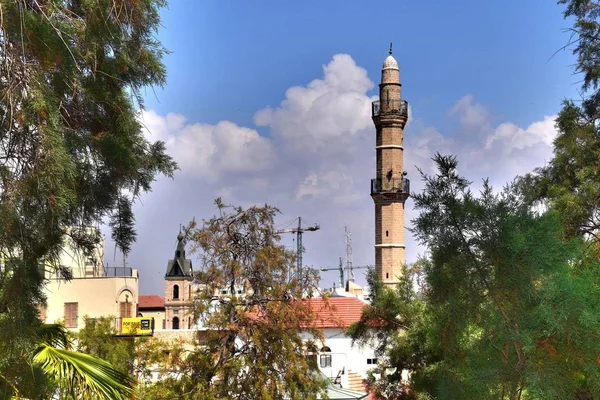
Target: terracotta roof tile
<point x="338" y="312"/>
<point x="150" y="301"/>
<point x="335" y="312"/>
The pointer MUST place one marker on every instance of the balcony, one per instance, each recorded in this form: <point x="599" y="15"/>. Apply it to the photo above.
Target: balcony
<point x="390" y="107"/>
<point x="393" y="185"/>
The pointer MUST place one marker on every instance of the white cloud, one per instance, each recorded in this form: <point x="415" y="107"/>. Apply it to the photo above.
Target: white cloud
<point x="327" y="113"/>
<point x="317" y="163"/>
<point x="210" y="151"/>
<point x="335" y="186"/>
<point x="515" y="137"/>
<point x="470" y="113"/>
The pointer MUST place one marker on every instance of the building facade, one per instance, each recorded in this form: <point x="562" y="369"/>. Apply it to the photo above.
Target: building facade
<point x="346" y="365"/>
<point x="91" y="297"/>
<point x="92" y="291"/>
<point x="152" y="306"/>
<point x="389" y="188"/>
<point x="179" y="290"/>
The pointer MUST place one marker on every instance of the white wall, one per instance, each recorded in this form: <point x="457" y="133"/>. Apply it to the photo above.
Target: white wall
<point x="344" y="356"/>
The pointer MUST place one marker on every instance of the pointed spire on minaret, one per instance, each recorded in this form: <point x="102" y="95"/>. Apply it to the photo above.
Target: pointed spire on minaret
<point x="390" y="48"/>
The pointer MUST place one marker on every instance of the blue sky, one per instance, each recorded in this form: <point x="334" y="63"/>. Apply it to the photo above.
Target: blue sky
<point x="231" y="58"/>
<point x="482" y="79"/>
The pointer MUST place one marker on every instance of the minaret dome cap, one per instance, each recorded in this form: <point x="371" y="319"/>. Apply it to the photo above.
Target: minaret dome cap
<point x="390" y="63"/>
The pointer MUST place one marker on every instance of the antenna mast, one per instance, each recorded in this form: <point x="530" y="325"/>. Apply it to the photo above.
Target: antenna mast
<point x="349" y="268"/>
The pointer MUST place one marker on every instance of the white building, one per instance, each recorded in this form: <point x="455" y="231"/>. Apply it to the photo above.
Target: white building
<point x="344" y="364"/>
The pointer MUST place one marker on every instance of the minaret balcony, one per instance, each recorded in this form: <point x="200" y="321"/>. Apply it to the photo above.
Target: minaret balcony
<point x="390" y="107"/>
<point x="392" y="185"/>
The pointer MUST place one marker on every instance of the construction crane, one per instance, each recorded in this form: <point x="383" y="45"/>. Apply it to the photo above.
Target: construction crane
<point x="299" y="249"/>
<point x="340" y="268"/>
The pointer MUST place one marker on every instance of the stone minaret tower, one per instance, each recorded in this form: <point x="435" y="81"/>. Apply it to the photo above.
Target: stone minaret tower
<point x="390" y="188"/>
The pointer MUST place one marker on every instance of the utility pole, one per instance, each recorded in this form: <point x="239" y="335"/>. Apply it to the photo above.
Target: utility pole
<point x="299" y="249"/>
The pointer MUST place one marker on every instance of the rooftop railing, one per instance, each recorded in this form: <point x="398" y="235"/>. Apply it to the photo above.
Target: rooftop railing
<point x="390" y="106"/>
<point x="118" y="271"/>
<point x="393" y="185"/>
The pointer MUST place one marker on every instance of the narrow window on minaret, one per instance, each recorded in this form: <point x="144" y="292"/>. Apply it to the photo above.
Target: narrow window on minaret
<point x="386" y="233"/>
<point x="387" y="276"/>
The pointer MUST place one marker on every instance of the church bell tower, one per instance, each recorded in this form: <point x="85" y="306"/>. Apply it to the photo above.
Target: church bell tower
<point x="179" y="290"/>
<point x="390" y="188"/>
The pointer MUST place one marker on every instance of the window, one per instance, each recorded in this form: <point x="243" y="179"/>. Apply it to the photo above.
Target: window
<point x="175" y="323"/>
<point x="71" y="315"/>
<point x="176" y="311"/>
<point x="175" y="292"/>
<point x="386" y="233"/>
<point x="371" y="361"/>
<point x="387" y="276"/>
<point x="125" y="309"/>
<point x="325" y="359"/>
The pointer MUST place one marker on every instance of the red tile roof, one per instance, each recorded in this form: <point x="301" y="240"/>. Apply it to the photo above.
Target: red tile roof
<point x="333" y="312"/>
<point x="336" y="312"/>
<point x="150" y="301"/>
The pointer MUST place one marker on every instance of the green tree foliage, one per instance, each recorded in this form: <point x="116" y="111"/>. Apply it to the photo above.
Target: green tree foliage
<point x="98" y="339"/>
<point x="141" y="357"/>
<point x="511" y="302"/>
<point x="570" y="181"/>
<point x="396" y="325"/>
<point x="72" y="150"/>
<point x="509" y="310"/>
<point x="175" y="364"/>
<point x="253" y="348"/>
<point x="72" y="374"/>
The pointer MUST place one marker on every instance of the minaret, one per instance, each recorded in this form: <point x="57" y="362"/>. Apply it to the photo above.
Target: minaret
<point x="390" y="188"/>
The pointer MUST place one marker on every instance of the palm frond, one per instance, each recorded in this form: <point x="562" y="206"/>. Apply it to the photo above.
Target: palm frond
<point x="83" y="375"/>
<point x="55" y="335"/>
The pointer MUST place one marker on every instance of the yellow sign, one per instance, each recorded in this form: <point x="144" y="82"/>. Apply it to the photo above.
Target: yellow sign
<point x="137" y="326"/>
